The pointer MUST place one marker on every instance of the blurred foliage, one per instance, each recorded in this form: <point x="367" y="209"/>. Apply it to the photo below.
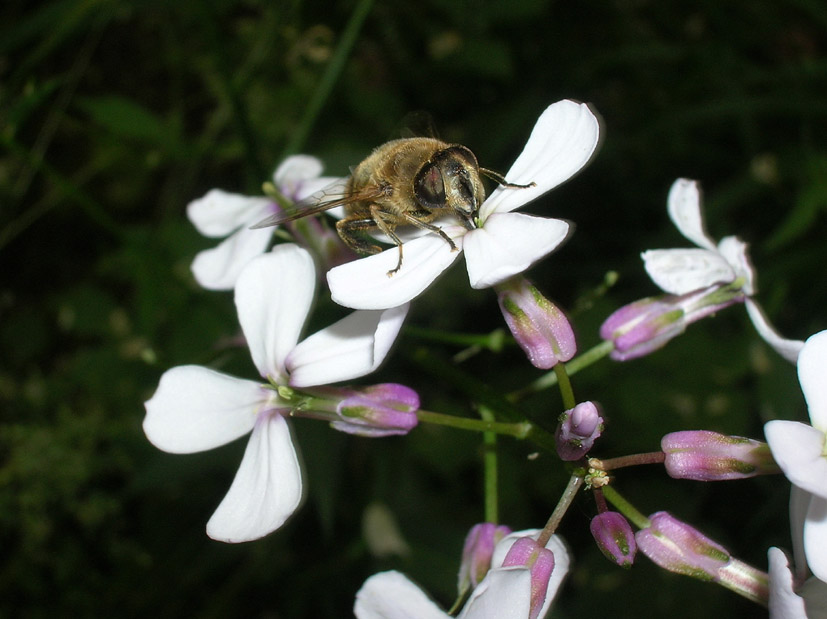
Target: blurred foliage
<point x="115" y="114"/>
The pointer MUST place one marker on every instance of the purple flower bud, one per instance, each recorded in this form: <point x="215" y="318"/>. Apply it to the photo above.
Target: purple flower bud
<point x="679" y="548"/>
<point x="527" y="552"/>
<point x="477" y="552"/>
<point x="614" y="537"/>
<point x="578" y="429"/>
<point x="709" y="456"/>
<point x="644" y="326"/>
<point x="379" y="410"/>
<point x="539" y="327"/>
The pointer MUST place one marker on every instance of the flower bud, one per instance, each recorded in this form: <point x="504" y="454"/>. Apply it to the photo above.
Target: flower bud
<point x="679" y="548"/>
<point x="527" y="552"/>
<point x="579" y="427"/>
<point x="379" y="410"/>
<point x="539" y="327"/>
<point x="708" y="456"/>
<point x="644" y="326"/>
<point x="614" y="537"/>
<point x="477" y="552"/>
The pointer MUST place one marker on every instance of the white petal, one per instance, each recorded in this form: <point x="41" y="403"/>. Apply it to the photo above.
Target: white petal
<point x="297" y="168"/>
<point x="508" y="244"/>
<point x="273" y="297"/>
<point x="195" y="408"/>
<point x="267" y="488"/>
<point x="390" y="595"/>
<point x="814" y="592"/>
<point x="219" y="212"/>
<point x="798" y="450"/>
<point x="815" y="537"/>
<point x="561" y="143"/>
<point x="219" y="268"/>
<point x="789" y="349"/>
<point x="812" y="373"/>
<point x="347" y="349"/>
<point x="504" y="593"/>
<point x="784" y="603"/>
<point x="684" y="206"/>
<point x="734" y="251"/>
<point x="679" y="271"/>
<point x="365" y="284"/>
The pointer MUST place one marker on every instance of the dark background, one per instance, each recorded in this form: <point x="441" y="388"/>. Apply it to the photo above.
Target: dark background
<point x="115" y="114"/>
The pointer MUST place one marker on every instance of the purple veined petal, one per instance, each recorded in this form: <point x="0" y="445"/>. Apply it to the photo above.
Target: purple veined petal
<point x="799" y="504"/>
<point x="390" y="595"/>
<point x="812" y="374"/>
<point x="734" y="251"/>
<point x="789" y="349"/>
<point x="365" y="283"/>
<point x="347" y="349"/>
<point x="505" y="593"/>
<point x="679" y="271"/>
<point x="195" y="408"/>
<point x="219" y="212"/>
<point x="267" y="488"/>
<point x="784" y="603"/>
<point x="508" y="244"/>
<point x="218" y="268"/>
<point x="799" y="451"/>
<point x="815" y="537"/>
<point x="273" y="296"/>
<point x="562" y="142"/>
<point x="684" y="207"/>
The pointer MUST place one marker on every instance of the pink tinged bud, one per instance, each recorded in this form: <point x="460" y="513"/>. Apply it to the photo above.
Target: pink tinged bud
<point x="679" y="548"/>
<point x="477" y="553"/>
<point x="379" y="410"/>
<point x="709" y="456"/>
<point x="614" y="537"/>
<point x="539" y="327"/>
<point x="526" y="552"/>
<point x="644" y="326"/>
<point x="578" y="429"/>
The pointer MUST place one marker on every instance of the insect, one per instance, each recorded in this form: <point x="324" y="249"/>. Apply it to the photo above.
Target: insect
<point x="410" y="181"/>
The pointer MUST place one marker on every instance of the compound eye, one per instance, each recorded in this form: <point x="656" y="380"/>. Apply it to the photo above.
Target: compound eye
<point x="429" y="188"/>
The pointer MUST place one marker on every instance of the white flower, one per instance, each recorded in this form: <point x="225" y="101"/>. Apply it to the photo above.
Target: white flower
<point x="196" y="408"/>
<point x="801" y="452"/>
<point x="504" y="243"/>
<point x="221" y="214"/>
<point x="680" y="271"/>
<point x="808" y="601"/>
<point x="505" y="592"/>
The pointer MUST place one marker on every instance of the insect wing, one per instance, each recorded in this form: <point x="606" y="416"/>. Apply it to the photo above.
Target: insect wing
<point x="313" y="204"/>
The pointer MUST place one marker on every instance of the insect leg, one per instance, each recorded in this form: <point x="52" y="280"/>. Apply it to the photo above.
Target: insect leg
<point x="348" y="230"/>
<point x="380" y="217"/>
<point x="411" y="219"/>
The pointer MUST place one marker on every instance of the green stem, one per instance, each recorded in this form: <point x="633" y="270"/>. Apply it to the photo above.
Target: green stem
<point x="489" y="440"/>
<point x="572" y="367"/>
<point x="330" y="77"/>
<point x="625" y="508"/>
<point x="566" y="391"/>
<point x="518" y="430"/>
<point x="493" y="341"/>
<point x="653" y="457"/>
<point x="575" y="481"/>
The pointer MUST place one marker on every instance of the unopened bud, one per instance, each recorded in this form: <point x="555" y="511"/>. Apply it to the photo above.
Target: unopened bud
<point x="540" y="327"/>
<point x="477" y="553"/>
<point x="379" y="410"/>
<point x="708" y="456"/>
<point x="578" y="429"/>
<point x="527" y="552"/>
<point x="614" y="537"/>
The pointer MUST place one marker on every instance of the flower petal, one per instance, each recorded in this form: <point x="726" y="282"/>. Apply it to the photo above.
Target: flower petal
<point x="273" y="297"/>
<point x="684" y="206"/>
<point x="295" y="169"/>
<point x="679" y="271"/>
<point x="789" y="349"/>
<point x="349" y="348"/>
<point x="734" y="251"/>
<point x="815" y="537"/>
<point x="219" y="212"/>
<point x="799" y="503"/>
<point x="390" y="595"/>
<point x="267" y="488"/>
<point x="561" y="143"/>
<point x="218" y="268"/>
<point x="365" y="283"/>
<point x="812" y="373"/>
<point x="508" y="244"/>
<point x="798" y="450"/>
<point x="784" y="603"/>
<point x="195" y="408"/>
<point x="505" y="593"/>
